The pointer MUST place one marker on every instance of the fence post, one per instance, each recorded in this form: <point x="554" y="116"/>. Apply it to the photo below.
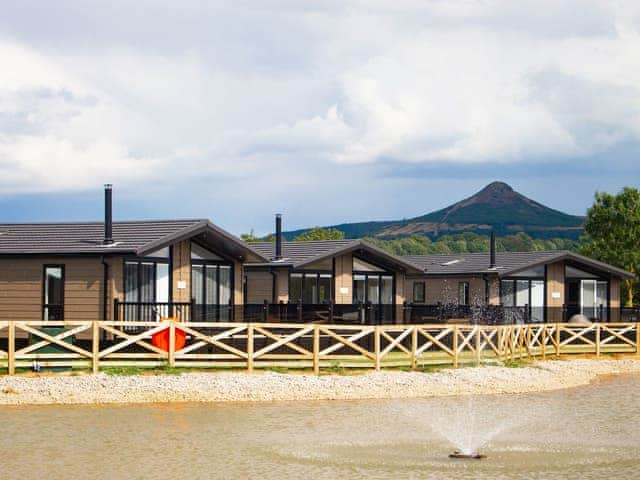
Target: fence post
<point x="330" y="311"/>
<point x="597" y="340"/>
<point x="637" y="338"/>
<point x="172" y="344"/>
<point x="414" y="346"/>
<point x="543" y="335"/>
<point x="477" y="327"/>
<point x="316" y="350"/>
<point x="116" y="310"/>
<point x="404" y="312"/>
<point x="376" y="346"/>
<point x="557" y="335"/>
<point x="455" y="346"/>
<point x="11" y="349"/>
<point x="95" y="347"/>
<point x="250" y="348"/>
<point x="265" y="311"/>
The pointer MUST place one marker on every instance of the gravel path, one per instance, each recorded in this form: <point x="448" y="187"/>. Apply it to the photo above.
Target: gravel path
<point x="226" y="387"/>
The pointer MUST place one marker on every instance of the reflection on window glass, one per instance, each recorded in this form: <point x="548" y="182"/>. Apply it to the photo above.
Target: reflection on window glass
<point x="358" y="288"/>
<point x="309" y="289"/>
<point x="522" y="293"/>
<point x="324" y="288"/>
<point x="162" y="282"/>
<point x="386" y="290"/>
<point x="373" y="289"/>
<point x="295" y="287"/>
<point x="197" y="279"/>
<point x="211" y="284"/>
<point x="507" y="290"/>
<point x="225" y="284"/>
<point x="418" y="292"/>
<point x="53" y="308"/>
<point x="463" y="293"/>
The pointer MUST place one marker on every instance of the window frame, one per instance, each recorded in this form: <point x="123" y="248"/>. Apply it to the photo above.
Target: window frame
<point x="214" y="309"/>
<point x="45" y="306"/>
<point x="314" y="276"/>
<point x="464" y="284"/>
<point x="423" y="286"/>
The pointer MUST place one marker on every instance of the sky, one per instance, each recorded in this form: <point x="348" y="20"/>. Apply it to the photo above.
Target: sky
<point x="324" y="111"/>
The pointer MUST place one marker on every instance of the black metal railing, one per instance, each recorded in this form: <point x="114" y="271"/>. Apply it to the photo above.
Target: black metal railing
<point x="368" y="313"/>
<point x="151" y="311"/>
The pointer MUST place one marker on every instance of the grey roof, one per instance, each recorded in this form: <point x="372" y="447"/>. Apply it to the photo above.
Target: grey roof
<point x="507" y="263"/>
<point x="296" y="252"/>
<point x="136" y="237"/>
<point x="300" y="254"/>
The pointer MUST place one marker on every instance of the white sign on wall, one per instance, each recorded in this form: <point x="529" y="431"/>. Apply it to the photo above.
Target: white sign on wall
<point x="344" y="290"/>
<point x="555" y="294"/>
<point x="182" y="285"/>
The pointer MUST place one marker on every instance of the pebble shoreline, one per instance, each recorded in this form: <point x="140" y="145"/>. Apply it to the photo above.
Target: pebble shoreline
<point x="269" y="386"/>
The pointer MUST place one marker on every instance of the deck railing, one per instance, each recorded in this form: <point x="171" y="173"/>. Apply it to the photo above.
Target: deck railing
<point x="96" y="344"/>
<point x="363" y="313"/>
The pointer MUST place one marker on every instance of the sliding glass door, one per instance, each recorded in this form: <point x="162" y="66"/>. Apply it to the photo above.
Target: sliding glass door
<point x="374" y="287"/>
<point x="211" y="291"/>
<point x="523" y="293"/>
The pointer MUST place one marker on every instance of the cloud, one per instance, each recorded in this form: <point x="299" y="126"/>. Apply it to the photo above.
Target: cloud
<point x="238" y="92"/>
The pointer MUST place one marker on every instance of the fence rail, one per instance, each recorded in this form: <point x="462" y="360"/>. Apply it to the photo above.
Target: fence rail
<point x="92" y="344"/>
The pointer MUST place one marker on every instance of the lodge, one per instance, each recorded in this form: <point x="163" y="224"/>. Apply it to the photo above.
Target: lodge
<point x="194" y="270"/>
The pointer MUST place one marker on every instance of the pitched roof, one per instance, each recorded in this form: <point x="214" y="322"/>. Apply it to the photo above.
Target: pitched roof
<point x="301" y="254"/>
<point x="507" y="263"/>
<point x="296" y="252"/>
<point x="134" y="237"/>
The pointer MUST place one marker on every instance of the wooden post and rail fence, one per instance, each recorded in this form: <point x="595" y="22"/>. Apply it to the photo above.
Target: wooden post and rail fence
<point x="250" y="346"/>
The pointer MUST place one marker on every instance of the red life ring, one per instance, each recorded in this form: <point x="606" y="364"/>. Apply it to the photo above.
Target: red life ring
<point x="161" y="339"/>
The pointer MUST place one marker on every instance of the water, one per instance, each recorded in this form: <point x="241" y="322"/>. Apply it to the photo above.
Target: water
<point x="583" y="433"/>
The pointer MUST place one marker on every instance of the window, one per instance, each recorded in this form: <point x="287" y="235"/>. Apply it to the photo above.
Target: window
<point x="371" y="284"/>
<point x="211" y="285"/>
<point x="418" y="292"/>
<point x="311" y="287"/>
<point x="146" y="289"/>
<point x="53" y="293"/>
<point x="463" y="293"/>
<point x="524" y="293"/>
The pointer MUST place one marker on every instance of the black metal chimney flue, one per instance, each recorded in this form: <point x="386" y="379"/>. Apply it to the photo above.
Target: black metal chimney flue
<point x="108" y="219"/>
<point x="278" y="236"/>
<point x="492" y="251"/>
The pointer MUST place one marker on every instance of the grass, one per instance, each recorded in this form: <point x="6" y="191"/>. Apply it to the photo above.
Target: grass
<point x="162" y="370"/>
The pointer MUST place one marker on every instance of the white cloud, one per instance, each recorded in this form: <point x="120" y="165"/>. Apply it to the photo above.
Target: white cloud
<point x="232" y="92"/>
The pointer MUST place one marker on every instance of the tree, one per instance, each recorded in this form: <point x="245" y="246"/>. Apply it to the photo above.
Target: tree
<point x="318" y="233"/>
<point x="251" y="237"/>
<point x="613" y="232"/>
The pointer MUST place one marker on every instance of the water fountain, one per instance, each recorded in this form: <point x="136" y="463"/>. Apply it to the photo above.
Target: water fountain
<point x="468" y="423"/>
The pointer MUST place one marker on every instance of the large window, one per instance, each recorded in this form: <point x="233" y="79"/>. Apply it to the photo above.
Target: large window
<point x="146" y="289"/>
<point x="53" y="293"/>
<point x="371" y="283"/>
<point x="311" y="287"/>
<point x="211" y="285"/>
<point x="524" y="293"/>
<point x="419" y="292"/>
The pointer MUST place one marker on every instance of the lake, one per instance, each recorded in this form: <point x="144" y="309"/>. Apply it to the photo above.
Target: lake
<point x="586" y="432"/>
